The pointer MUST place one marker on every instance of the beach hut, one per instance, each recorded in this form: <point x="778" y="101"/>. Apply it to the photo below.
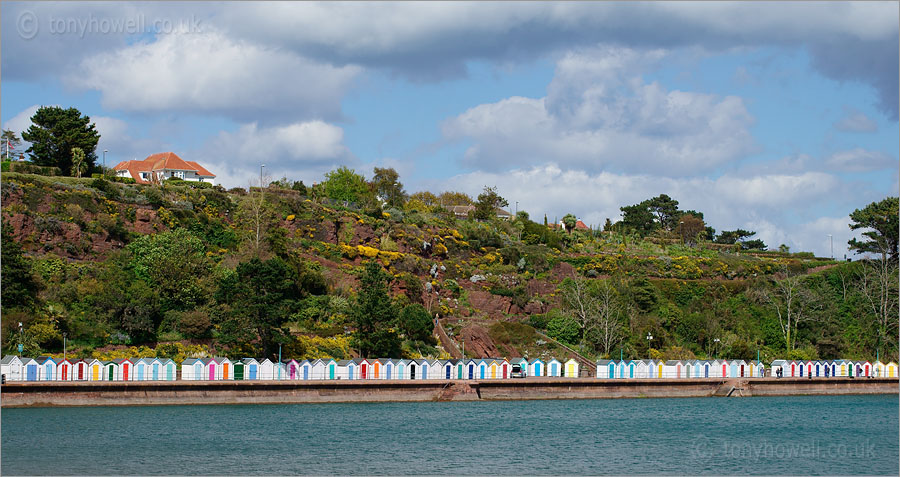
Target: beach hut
<point x="504" y="368"/>
<point x="251" y="369"/>
<point x="140" y="369"/>
<point x="866" y="369"/>
<point x="481" y="369"/>
<point x="79" y="370"/>
<point x="125" y="369"/>
<point x="95" y="370"/>
<point x="377" y="369"/>
<point x="493" y="369"/>
<point x="387" y="369"/>
<point x="11" y="368"/>
<point x="536" y="367"/>
<point x="46" y="368"/>
<point x="210" y="369"/>
<point x="29" y="370"/>
<point x="321" y="369"/>
<point x="402" y="369"/>
<point x="64" y="370"/>
<point x="110" y="371"/>
<point x="157" y="369"/>
<point x="413" y="369"/>
<point x="447" y="370"/>
<point x="891" y="369"/>
<point x="606" y="369"/>
<point x="191" y="369"/>
<point x="363" y="366"/>
<point x="640" y="368"/>
<point x="169" y="371"/>
<point x="226" y="369"/>
<point x="460" y="365"/>
<point x="240" y="370"/>
<point x="346" y="369"/>
<point x="780" y="365"/>
<point x="758" y="370"/>
<point x="878" y="369"/>
<point x="671" y="369"/>
<point x="291" y="369"/>
<point x="266" y="370"/>
<point x="572" y="368"/>
<point x="553" y="368"/>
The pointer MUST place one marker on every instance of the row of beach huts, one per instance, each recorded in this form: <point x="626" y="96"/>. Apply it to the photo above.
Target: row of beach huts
<point x="15" y="368"/>
<point x="722" y="368"/>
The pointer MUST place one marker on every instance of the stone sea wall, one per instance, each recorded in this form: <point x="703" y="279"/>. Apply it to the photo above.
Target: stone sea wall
<point x="282" y="392"/>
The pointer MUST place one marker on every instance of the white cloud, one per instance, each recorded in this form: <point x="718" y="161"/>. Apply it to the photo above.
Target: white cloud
<point x="860" y="160"/>
<point x="303" y="150"/>
<point x="22" y="121"/>
<point x="600" y="115"/>
<point x="855" y="120"/>
<point x="209" y="72"/>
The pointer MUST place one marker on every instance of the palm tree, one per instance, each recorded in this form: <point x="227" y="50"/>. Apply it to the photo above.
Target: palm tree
<point x="79" y="165"/>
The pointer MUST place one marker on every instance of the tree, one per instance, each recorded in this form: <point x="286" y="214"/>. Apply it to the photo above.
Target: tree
<point x="690" y="227"/>
<point x="55" y="132"/>
<point x="416" y="323"/>
<point x="262" y="295"/>
<point x="881" y="218"/>
<point x="755" y="244"/>
<point x="79" y="166"/>
<point x="665" y="210"/>
<point x="638" y="218"/>
<point x="451" y="198"/>
<point x="734" y="236"/>
<point x="569" y="222"/>
<point x="373" y="312"/>
<point x="596" y="309"/>
<point x="488" y="203"/>
<point x="879" y="288"/>
<point x="19" y="285"/>
<point x="10" y="141"/>
<point x="388" y="188"/>
<point x="791" y="300"/>
<point x="426" y="198"/>
<point x="346" y="185"/>
<point x="174" y="263"/>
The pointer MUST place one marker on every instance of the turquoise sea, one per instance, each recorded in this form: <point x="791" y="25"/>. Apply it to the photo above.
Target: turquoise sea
<point x="762" y="435"/>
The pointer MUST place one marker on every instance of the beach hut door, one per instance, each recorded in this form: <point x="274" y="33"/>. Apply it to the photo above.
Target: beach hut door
<point x="31" y="372"/>
<point x="305" y="373"/>
<point x="169" y="372"/>
<point x="471" y="372"/>
<point x="412" y="371"/>
<point x="447" y="373"/>
<point x="252" y="371"/>
<point x="155" y="372"/>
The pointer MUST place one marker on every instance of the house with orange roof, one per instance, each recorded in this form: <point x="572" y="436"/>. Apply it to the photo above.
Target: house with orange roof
<point x="161" y="166"/>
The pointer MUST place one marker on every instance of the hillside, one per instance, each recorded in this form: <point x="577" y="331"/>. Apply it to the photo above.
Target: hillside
<point x="124" y="269"/>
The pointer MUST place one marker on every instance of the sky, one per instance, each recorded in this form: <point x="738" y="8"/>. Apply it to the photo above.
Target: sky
<point x="781" y="118"/>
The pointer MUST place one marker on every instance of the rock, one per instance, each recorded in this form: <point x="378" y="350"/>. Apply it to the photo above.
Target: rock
<point x="477" y="278"/>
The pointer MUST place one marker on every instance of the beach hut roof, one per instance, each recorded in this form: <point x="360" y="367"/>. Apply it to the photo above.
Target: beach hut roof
<point x="345" y="362"/>
<point x="603" y="362"/>
<point x="9" y="359"/>
<point x="117" y="361"/>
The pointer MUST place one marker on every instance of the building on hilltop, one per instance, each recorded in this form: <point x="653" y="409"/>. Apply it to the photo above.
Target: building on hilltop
<point x="161" y="166"/>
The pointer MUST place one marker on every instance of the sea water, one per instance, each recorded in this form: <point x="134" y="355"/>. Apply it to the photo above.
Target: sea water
<point x="760" y="435"/>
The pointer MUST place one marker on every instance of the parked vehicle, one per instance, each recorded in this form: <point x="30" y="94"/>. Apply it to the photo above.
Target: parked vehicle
<point x="517" y="371"/>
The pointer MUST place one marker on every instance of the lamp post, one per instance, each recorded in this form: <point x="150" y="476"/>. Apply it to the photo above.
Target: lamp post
<point x="716" y="341"/>
<point x="104" y="161"/>
<point x="64" y="346"/>
<point x="517" y="208"/>
<point x="260" y="176"/>
<point x="831" y="237"/>
<point x="649" y="337"/>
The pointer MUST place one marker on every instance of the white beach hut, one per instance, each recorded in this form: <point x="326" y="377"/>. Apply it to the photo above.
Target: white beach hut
<point x="29" y="370"/>
<point x="267" y="370"/>
<point x="95" y="370"/>
<point x="606" y="369"/>
<point x="191" y="369"/>
<point x="572" y="368"/>
<point x="554" y="368"/>
<point x="11" y="368"/>
<point x="46" y="368"/>
<point x="537" y="368"/>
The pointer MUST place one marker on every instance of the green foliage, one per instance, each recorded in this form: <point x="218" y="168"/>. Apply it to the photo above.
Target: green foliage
<point x="344" y="184"/>
<point x="174" y="263"/>
<point x="564" y="328"/>
<point x="19" y="285"/>
<point x="387" y="186"/>
<point x="416" y="323"/>
<point x="79" y="165"/>
<point x="488" y="203"/>
<point x="882" y="221"/>
<point x="373" y="312"/>
<point x="55" y="132"/>
<point x="262" y="296"/>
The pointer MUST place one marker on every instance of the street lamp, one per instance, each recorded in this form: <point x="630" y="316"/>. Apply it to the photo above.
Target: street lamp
<point x="649" y="337"/>
<point x="260" y="176"/>
<point x="517" y="208"/>
<point x="64" y="346"/>
<point x="104" y="160"/>
<point x="832" y="245"/>
<point x="716" y="341"/>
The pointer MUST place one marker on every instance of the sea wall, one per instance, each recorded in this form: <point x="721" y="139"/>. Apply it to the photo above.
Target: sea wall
<point x="261" y="392"/>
